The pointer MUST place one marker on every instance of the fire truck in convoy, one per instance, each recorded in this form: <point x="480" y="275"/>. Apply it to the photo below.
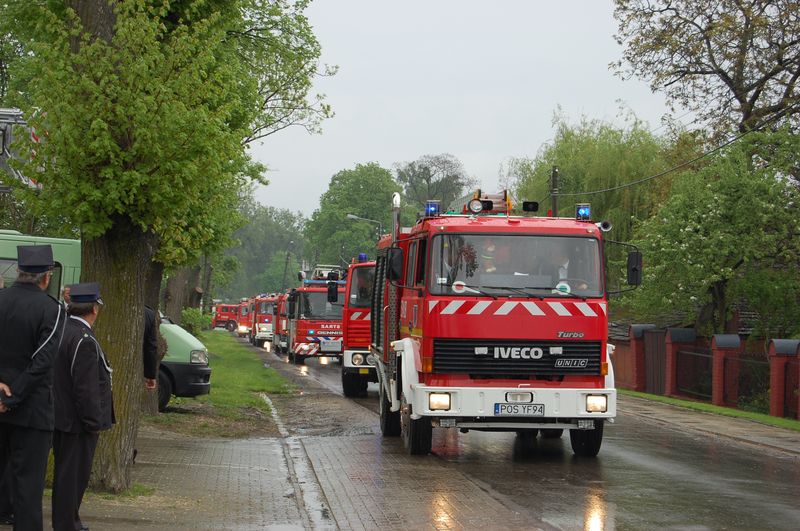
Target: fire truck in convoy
<point x="356" y="317"/>
<point x="226" y="316"/>
<point x="481" y="320"/>
<point x="314" y="325"/>
<point x="243" y="319"/>
<point x="280" y="318"/>
<point x="261" y="325"/>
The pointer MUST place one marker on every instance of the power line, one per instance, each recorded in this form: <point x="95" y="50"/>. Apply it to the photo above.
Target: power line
<point x="686" y="163"/>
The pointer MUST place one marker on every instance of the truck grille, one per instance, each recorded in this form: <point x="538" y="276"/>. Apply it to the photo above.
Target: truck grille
<point x="493" y="357"/>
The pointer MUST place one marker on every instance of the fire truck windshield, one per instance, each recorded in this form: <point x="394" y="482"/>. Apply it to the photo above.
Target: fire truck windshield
<point x="361" y="287"/>
<point x="519" y="264"/>
<point x="315" y="305"/>
<point x="265" y="307"/>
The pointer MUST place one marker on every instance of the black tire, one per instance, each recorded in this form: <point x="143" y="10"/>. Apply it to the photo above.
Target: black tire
<point x="417" y="434"/>
<point x="231" y="326"/>
<point x="586" y="443"/>
<point x="350" y="384"/>
<point x="551" y="433"/>
<point x="164" y="390"/>
<point x="526" y="440"/>
<point x="299" y="360"/>
<point x="390" y="421"/>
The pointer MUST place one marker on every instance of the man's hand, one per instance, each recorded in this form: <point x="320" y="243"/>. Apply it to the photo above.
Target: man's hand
<point x="4" y="389"/>
<point x="150" y="383"/>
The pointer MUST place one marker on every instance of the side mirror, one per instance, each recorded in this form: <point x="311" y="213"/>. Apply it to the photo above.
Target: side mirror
<point x="530" y="206"/>
<point x="394" y="263"/>
<point x="634" y="268"/>
<point x="333" y="291"/>
<point x="291" y="303"/>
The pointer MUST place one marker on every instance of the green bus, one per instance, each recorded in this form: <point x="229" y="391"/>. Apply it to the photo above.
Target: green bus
<point x="184" y="371"/>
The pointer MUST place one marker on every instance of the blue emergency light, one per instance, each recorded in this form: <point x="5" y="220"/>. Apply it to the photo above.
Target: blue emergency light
<point x="362" y="257"/>
<point x="583" y="212"/>
<point x="432" y="207"/>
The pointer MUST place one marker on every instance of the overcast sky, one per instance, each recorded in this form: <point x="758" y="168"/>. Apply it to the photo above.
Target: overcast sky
<point x="479" y="80"/>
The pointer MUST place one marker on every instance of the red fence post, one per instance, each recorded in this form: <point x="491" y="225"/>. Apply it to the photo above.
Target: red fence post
<point x="780" y="352"/>
<point x="676" y="339"/>
<point x="722" y="346"/>
<point x="636" y="333"/>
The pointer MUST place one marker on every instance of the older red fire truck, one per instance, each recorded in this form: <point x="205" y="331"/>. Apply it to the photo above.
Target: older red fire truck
<point x="243" y="318"/>
<point x="356" y="317"/>
<point x="261" y="325"/>
<point x="280" y="320"/>
<point x="314" y="323"/>
<point x="225" y="315"/>
<point x="486" y="321"/>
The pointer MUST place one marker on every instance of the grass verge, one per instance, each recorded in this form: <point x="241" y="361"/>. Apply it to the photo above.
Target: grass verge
<point x="234" y="407"/>
<point x="710" y="408"/>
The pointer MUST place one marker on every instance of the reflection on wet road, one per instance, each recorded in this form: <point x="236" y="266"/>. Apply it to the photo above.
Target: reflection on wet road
<point x="647" y="476"/>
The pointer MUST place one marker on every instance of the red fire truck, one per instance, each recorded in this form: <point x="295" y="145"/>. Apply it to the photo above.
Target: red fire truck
<point x="280" y="319"/>
<point x="225" y="315"/>
<point x="356" y="316"/>
<point x="243" y="319"/>
<point x="261" y="325"/>
<point x="314" y="323"/>
<point x="486" y="321"/>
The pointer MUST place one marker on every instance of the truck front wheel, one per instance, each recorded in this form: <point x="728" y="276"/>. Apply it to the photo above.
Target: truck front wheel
<point x="586" y="443"/>
<point x="417" y="434"/>
<point x="390" y="421"/>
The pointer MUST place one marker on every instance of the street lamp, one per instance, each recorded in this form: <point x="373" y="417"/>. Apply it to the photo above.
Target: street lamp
<point x="378" y="223"/>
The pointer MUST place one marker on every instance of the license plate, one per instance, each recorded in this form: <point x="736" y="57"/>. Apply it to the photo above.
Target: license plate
<point x="330" y="346"/>
<point x="519" y="410"/>
<point x="363" y="371"/>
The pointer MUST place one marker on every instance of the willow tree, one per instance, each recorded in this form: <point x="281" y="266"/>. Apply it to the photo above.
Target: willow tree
<point x="146" y="108"/>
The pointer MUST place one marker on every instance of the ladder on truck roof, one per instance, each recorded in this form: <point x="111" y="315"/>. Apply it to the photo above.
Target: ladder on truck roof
<point x="8" y="119"/>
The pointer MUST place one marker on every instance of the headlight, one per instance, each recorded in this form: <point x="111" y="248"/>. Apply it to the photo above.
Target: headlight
<point x="439" y="401"/>
<point x="242" y="328"/>
<point x="198" y="356"/>
<point x="358" y="359"/>
<point x="596" y="403"/>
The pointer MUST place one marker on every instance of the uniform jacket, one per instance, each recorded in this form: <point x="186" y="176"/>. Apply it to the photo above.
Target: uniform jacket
<point x="82" y="382"/>
<point x="150" y="344"/>
<point x="31" y="327"/>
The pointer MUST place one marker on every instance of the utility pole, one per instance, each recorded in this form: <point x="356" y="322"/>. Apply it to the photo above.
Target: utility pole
<point x="554" y="191"/>
<point x="286" y="265"/>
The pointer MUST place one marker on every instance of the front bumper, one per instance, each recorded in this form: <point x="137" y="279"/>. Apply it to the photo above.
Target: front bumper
<point x="190" y="379"/>
<point x="475" y="407"/>
<point x="365" y="369"/>
<point x="264" y="332"/>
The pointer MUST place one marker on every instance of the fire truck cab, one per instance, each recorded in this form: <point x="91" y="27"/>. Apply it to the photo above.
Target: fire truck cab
<point x="261" y="326"/>
<point x="243" y="319"/>
<point x="356" y="317"/>
<point x="486" y="321"/>
<point x="314" y="323"/>
<point x="280" y="320"/>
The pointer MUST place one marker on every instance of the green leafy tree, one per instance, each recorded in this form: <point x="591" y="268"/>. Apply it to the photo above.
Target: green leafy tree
<point x="730" y="228"/>
<point x="365" y="191"/>
<point x="594" y="155"/>
<point x="439" y="177"/>
<point x="146" y="108"/>
<point x="734" y="63"/>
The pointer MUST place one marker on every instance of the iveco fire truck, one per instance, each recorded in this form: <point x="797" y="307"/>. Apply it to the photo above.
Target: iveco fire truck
<point x="262" y="322"/>
<point x="243" y="319"/>
<point x="314" y="324"/>
<point x="280" y="320"/>
<point x="486" y="321"/>
<point x="356" y="316"/>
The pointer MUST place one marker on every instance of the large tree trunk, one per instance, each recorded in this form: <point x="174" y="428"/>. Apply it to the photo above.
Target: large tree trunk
<point x="119" y="260"/>
<point x="183" y="291"/>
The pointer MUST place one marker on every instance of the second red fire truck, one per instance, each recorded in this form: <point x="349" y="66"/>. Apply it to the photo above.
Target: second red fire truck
<point x="481" y="320"/>
<point x="314" y="324"/>
<point x="261" y="324"/>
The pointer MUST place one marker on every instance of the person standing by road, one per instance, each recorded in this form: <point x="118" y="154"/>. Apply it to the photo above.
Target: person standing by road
<point x="150" y="348"/>
<point x="31" y="328"/>
<point x="83" y="405"/>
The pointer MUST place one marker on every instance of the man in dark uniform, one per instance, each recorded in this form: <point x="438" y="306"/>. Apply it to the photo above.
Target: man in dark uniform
<point x="31" y="326"/>
<point x="83" y="405"/>
<point x="150" y="348"/>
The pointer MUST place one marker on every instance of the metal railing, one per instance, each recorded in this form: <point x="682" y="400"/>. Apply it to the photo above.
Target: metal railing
<point x="693" y="376"/>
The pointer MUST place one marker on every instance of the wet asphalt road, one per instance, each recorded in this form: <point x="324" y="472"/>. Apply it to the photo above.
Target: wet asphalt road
<point x="647" y="476"/>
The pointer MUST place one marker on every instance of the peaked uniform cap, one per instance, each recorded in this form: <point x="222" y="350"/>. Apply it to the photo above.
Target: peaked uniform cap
<point x="35" y="258"/>
<point x="85" y="292"/>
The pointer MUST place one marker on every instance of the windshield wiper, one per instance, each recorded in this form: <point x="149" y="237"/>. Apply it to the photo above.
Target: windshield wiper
<point x="516" y="290"/>
<point x="556" y="290"/>
<point x="478" y="290"/>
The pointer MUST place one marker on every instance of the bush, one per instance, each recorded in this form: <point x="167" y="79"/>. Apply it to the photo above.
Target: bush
<point x="194" y="321"/>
